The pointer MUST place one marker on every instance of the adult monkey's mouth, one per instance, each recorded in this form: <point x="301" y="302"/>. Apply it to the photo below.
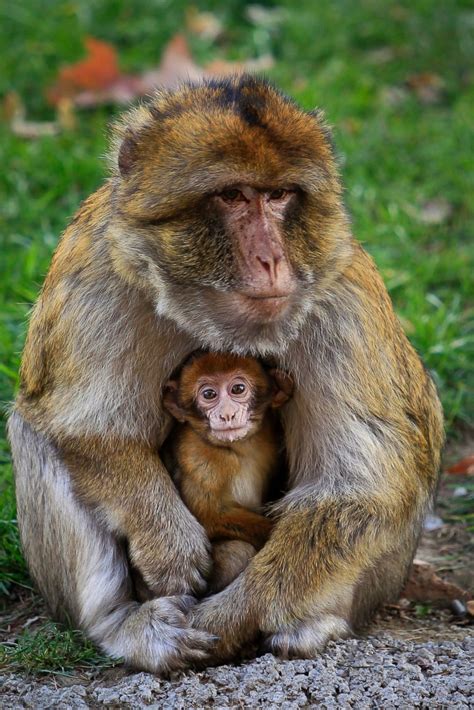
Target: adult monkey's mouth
<point x="266" y="304"/>
<point x="279" y="297"/>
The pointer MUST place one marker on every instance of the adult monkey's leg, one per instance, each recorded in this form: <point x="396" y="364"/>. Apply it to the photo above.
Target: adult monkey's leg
<point x="81" y="567"/>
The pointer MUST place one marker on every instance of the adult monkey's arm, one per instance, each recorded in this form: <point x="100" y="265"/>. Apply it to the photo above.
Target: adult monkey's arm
<point x="134" y="495"/>
<point x="92" y="493"/>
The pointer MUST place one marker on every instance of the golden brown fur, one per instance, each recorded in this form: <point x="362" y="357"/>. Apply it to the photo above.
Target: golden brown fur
<point x="224" y="484"/>
<point x="207" y="479"/>
<point x="144" y="275"/>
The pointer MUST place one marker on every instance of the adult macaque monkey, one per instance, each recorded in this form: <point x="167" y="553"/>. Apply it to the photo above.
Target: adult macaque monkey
<point x="225" y="450"/>
<point x="222" y="227"/>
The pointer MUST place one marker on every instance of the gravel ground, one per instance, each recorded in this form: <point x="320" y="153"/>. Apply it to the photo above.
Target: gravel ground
<point x="375" y="672"/>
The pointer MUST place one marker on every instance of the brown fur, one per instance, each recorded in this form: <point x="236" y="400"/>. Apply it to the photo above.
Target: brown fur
<point x="144" y="275"/>
<point x="207" y="474"/>
<point x="212" y="475"/>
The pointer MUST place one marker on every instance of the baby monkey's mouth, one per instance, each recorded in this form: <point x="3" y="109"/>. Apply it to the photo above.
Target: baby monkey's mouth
<point x="230" y="433"/>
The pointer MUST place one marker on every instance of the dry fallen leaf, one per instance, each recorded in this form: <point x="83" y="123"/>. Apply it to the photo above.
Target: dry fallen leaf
<point x="203" y="24"/>
<point x="429" y="88"/>
<point x="14" y="112"/>
<point x="176" y="64"/>
<point x="97" y="71"/>
<point x="111" y="87"/>
<point x="30" y="621"/>
<point x="220" y="66"/>
<point x="424" y="585"/>
<point x="465" y="466"/>
<point x="435" y="211"/>
<point x="393" y="96"/>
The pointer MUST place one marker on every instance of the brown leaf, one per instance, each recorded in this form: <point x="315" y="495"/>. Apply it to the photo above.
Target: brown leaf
<point x="14" y="111"/>
<point x="177" y="64"/>
<point x="34" y="129"/>
<point x="464" y="466"/>
<point x="424" y="585"/>
<point x="427" y="87"/>
<point x="86" y="86"/>
<point x="203" y="24"/>
<point x="220" y="67"/>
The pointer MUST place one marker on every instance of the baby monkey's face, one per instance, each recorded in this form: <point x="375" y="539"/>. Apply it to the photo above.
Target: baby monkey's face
<point x="228" y="402"/>
<point x="224" y="397"/>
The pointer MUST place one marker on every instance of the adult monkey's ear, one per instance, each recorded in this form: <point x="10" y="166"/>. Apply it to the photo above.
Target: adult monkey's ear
<point x="170" y="401"/>
<point x="127" y="153"/>
<point x="320" y="118"/>
<point x="284" y="387"/>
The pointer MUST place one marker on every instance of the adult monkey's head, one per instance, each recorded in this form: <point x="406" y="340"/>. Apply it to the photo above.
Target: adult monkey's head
<point x="229" y="211"/>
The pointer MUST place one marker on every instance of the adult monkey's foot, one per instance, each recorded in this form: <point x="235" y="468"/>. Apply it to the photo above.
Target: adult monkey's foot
<point x="154" y="636"/>
<point x="308" y="638"/>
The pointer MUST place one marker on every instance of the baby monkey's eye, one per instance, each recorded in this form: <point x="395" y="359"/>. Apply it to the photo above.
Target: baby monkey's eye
<point x="238" y="389"/>
<point x="209" y="394"/>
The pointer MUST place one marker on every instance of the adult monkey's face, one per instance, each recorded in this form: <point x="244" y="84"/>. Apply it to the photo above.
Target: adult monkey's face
<point x="232" y="209"/>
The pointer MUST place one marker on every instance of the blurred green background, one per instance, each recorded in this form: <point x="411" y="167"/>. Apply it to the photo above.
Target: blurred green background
<point x="396" y="81"/>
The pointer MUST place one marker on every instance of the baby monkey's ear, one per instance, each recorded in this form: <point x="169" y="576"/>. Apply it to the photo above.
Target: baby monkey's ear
<point x="283" y="387"/>
<point x="170" y="400"/>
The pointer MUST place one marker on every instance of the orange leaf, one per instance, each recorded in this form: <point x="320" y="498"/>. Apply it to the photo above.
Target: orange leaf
<point x="97" y="71"/>
<point x="464" y="466"/>
<point x="97" y="79"/>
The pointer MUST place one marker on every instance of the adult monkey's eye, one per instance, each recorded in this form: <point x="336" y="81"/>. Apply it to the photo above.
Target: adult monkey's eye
<point x="238" y="389"/>
<point x="230" y="195"/>
<point x="209" y="394"/>
<point x="277" y="194"/>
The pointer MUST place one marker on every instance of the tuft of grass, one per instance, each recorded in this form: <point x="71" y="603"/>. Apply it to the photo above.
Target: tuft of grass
<point x="52" y="649"/>
<point x="12" y="565"/>
<point x="423" y="610"/>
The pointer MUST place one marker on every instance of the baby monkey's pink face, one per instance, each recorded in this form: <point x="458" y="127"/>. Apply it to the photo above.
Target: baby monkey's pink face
<point x="224" y="397"/>
<point x="225" y="400"/>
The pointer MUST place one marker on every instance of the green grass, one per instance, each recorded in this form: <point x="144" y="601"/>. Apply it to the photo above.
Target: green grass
<point x="394" y="157"/>
<point x="52" y="649"/>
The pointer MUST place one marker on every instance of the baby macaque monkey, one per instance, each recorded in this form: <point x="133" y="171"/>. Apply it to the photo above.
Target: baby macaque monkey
<point x="225" y="450"/>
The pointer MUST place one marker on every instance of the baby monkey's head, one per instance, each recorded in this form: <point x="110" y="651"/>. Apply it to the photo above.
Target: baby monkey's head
<point x="225" y="396"/>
